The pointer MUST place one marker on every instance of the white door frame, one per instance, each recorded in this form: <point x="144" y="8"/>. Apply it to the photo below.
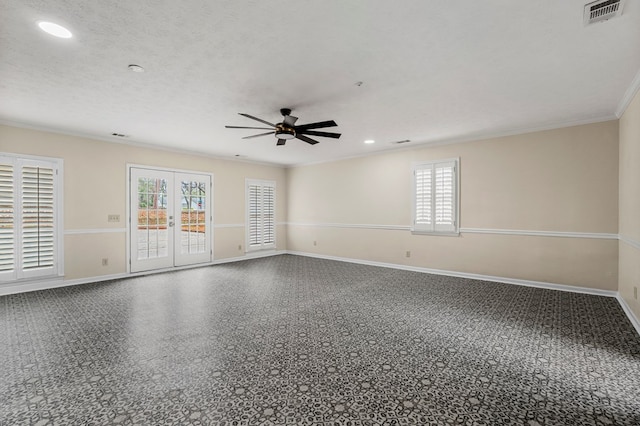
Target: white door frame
<point x="129" y="231"/>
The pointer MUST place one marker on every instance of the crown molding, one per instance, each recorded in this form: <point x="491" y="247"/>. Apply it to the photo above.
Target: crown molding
<point x="471" y="137"/>
<point x="628" y="95"/>
<point x="132" y="143"/>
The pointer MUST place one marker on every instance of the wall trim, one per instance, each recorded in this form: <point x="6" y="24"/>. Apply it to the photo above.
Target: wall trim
<point x="470" y="137"/>
<point x="595" y="235"/>
<point x="517" y="281"/>
<point x="352" y="225"/>
<point x="629" y="94"/>
<point x="241" y="225"/>
<point x="95" y="231"/>
<point x="25" y="287"/>
<point x="527" y="283"/>
<point x="132" y="143"/>
<point x="16" y="287"/>
<point x="630" y="241"/>
<point x="627" y="310"/>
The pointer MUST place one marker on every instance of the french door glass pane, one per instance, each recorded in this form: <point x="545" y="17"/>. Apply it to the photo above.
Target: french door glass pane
<point x="193" y="217"/>
<point x="152" y="218"/>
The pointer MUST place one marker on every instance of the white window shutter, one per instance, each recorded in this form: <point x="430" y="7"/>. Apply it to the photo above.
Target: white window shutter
<point x="37" y="217"/>
<point x="423" y="195"/>
<point x="268" y="215"/>
<point x="7" y="219"/>
<point x="444" y="197"/>
<point x="435" y="196"/>
<point x="28" y="218"/>
<point x="255" y="214"/>
<point x="261" y="227"/>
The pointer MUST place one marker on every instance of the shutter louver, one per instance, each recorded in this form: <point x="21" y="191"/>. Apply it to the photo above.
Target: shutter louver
<point x="7" y="218"/>
<point x="37" y="217"/>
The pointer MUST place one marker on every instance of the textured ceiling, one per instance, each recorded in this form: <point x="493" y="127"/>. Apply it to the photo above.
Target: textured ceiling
<point x="431" y="71"/>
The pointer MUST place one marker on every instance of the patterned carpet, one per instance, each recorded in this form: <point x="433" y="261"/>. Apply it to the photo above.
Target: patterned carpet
<point x="295" y="340"/>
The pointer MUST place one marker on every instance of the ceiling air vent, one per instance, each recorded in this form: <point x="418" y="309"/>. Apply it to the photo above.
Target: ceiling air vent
<point x="399" y="142"/>
<point x="119" y="135"/>
<point x="602" y="10"/>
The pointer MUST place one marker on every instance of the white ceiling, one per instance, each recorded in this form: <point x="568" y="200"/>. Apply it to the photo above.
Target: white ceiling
<point x="431" y="71"/>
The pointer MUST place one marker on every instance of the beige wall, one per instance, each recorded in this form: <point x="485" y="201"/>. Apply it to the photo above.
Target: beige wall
<point x="95" y="185"/>
<point x="563" y="180"/>
<point x="629" y="264"/>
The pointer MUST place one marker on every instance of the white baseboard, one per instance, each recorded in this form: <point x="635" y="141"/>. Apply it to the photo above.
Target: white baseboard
<point x="24" y="287"/>
<point x="55" y="283"/>
<point x="528" y="283"/>
<point x="627" y="310"/>
<point x="539" y="284"/>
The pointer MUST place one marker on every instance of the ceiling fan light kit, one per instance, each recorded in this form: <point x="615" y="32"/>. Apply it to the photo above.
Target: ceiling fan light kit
<point x="287" y="129"/>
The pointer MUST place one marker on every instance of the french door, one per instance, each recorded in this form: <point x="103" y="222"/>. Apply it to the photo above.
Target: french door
<point x="170" y="219"/>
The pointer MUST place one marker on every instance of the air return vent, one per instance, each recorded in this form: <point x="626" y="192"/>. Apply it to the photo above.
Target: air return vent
<point x="602" y="10"/>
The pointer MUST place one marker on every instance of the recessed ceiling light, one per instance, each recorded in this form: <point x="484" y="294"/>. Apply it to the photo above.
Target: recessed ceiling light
<point x="55" y="29"/>
<point x="135" y="68"/>
<point x="369" y="141"/>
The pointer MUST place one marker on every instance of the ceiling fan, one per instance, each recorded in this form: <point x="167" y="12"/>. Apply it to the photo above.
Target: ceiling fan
<point x="288" y="130"/>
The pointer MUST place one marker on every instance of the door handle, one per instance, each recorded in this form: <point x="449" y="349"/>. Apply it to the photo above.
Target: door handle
<point x="171" y="224"/>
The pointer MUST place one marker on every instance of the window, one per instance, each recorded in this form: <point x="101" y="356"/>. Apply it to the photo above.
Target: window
<point x="29" y="218"/>
<point x="261" y="214"/>
<point x="435" y="197"/>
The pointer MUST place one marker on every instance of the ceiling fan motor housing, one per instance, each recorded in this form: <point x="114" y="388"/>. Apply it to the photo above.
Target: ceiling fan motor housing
<point x="284" y="132"/>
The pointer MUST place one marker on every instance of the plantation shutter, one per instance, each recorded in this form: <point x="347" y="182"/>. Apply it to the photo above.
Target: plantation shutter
<point x="37" y="217"/>
<point x="255" y="213"/>
<point x="7" y="220"/>
<point x="268" y="215"/>
<point x="423" y="217"/>
<point x="260" y="214"/>
<point x="435" y="199"/>
<point x="28" y="230"/>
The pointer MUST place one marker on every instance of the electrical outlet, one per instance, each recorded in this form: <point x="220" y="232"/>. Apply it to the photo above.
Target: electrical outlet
<point x="315" y="243"/>
<point x="239" y="246"/>
<point x="105" y="262"/>
<point x="113" y="218"/>
<point x="408" y="253"/>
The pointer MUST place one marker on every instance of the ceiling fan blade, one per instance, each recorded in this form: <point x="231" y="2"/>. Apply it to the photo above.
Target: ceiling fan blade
<point x="261" y="134"/>
<point x="240" y="127"/>
<point x="257" y="119"/>
<point x="317" y="125"/>
<point x="325" y="134"/>
<point x="281" y="142"/>
<point x="290" y="120"/>
<point x="306" y="139"/>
